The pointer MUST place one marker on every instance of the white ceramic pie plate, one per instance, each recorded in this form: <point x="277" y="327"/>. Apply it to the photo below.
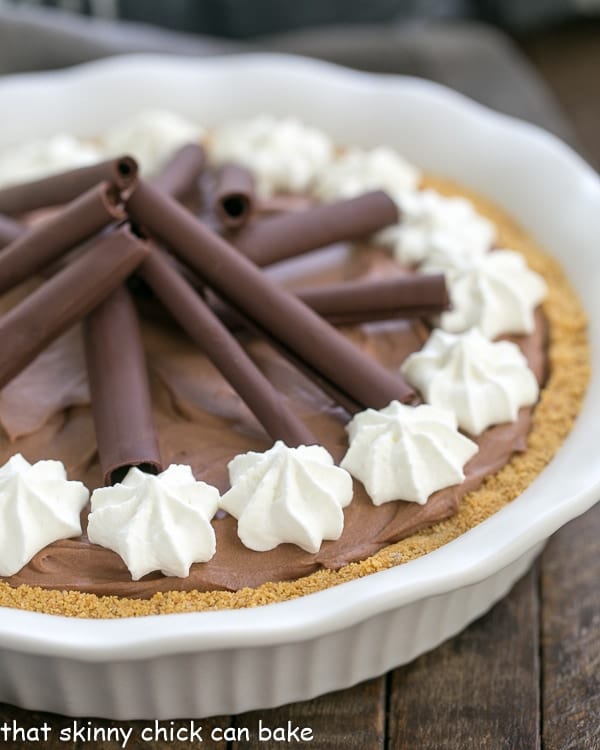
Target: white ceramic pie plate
<point x="221" y="662"/>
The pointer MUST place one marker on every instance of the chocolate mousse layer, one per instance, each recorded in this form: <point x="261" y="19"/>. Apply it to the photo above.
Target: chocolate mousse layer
<point x="201" y="421"/>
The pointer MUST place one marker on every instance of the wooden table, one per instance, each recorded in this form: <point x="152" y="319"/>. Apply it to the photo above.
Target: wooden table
<point x="524" y="676"/>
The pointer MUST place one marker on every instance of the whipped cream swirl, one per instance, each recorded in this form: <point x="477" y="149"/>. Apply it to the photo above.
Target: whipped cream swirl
<point x="156" y="522"/>
<point x="432" y="222"/>
<point x="40" y="158"/>
<point x="38" y="505"/>
<point x="406" y="452"/>
<point x="358" y="171"/>
<point x="151" y="136"/>
<point x="495" y="292"/>
<point x="283" y="154"/>
<point x="287" y="495"/>
<point x="481" y="382"/>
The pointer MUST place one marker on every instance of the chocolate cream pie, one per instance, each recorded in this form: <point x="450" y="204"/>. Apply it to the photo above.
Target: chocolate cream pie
<point x="275" y="364"/>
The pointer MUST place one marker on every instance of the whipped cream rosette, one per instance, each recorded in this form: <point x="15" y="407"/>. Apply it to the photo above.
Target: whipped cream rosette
<point x="495" y="292"/>
<point x="284" y="154"/>
<point x="152" y="135"/>
<point x="160" y="522"/>
<point x="38" y="505"/>
<point x="480" y="382"/>
<point x="358" y="171"/>
<point x="406" y="452"/>
<point x="432" y="222"/>
<point x="287" y="495"/>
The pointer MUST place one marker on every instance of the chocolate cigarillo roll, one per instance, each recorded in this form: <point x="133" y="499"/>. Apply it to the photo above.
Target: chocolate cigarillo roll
<point x="355" y="302"/>
<point x="50" y="239"/>
<point x="66" y="186"/>
<point x="10" y="230"/>
<point x="233" y="321"/>
<point x="266" y="303"/>
<point x="389" y="296"/>
<point x="121" y="402"/>
<point x="63" y="300"/>
<point x="224" y="351"/>
<point x="179" y="176"/>
<point x="234" y="195"/>
<point x="287" y="235"/>
<point x="378" y="316"/>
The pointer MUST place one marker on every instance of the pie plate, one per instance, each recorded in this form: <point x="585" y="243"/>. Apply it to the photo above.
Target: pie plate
<point x="201" y="664"/>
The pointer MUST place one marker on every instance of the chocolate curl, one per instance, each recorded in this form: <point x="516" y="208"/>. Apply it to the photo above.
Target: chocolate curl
<point x="365" y="301"/>
<point x="224" y="351"/>
<point x="265" y="303"/>
<point x="179" y="176"/>
<point x="234" y="195"/>
<point x="53" y="237"/>
<point x="9" y="230"/>
<point x="67" y="186"/>
<point x="65" y="299"/>
<point x="121" y="401"/>
<point x="351" y="302"/>
<point x="287" y="235"/>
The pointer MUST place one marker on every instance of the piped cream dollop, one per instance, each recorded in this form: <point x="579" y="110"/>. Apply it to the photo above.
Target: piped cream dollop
<point x="482" y="383"/>
<point x="358" y="171"/>
<point x="406" y="452"/>
<point x="283" y="154"/>
<point x="286" y="494"/>
<point x="432" y="222"/>
<point x="40" y="158"/>
<point x="151" y="136"/>
<point x="495" y="292"/>
<point x="38" y="505"/>
<point x="158" y="522"/>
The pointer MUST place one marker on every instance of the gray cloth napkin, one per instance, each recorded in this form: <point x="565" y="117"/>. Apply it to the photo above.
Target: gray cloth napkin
<point x="471" y="57"/>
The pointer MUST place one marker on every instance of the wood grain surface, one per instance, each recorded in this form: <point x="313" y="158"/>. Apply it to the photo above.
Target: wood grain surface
<point x="568" y="57"/>
<point x="570" y="637"/>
